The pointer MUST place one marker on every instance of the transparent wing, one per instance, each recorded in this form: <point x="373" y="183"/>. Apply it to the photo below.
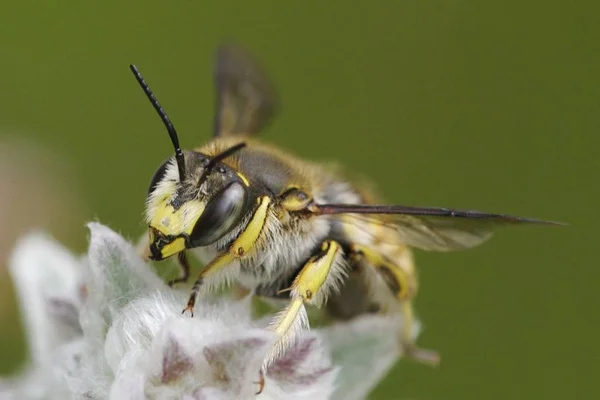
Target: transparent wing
<point x="246" y="101"/>
<point x="431" y="233"/>
<point x="435" y="229"/>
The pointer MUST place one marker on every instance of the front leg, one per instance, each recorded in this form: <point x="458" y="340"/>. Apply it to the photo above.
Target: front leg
<point x="184" y="266"/>
<point x="143" y="249"/>
<point x="240" y="246"/>
<point x="320" y="275"/>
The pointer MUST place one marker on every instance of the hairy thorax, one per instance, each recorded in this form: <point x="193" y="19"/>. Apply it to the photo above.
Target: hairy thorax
<point x="289" y="239"/>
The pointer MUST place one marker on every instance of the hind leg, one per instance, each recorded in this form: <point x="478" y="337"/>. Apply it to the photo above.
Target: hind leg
<point x="317" y="278"/>
<point x="403" y="287"/>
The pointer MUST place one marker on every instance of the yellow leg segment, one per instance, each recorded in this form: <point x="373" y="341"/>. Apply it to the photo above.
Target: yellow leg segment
<point x="244" y="242"/>
<point x="315" y="272"/>
<point x="310" y="286"/>
<point x="403" y="286"/>
<point x="285" y="322"/>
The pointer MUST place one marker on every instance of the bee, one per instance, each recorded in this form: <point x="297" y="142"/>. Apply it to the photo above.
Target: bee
<point x="287" y="228"/>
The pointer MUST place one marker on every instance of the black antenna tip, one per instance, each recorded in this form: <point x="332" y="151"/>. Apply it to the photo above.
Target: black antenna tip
<point x="164" y="117"/>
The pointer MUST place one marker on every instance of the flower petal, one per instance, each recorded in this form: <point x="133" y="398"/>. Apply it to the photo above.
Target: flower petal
<point x="304" y="371"/>
<point x="46" y="381"/>
<point x="137" y="345"/>
<point x="175" y="362"/>
<point x="130" y="380"/>
<point x="365" y="349"/>
<point x="207" y="393"/>
<point x="176" y="354"/>
<point x="47" y="278"/>
<point x="117" y="274"/>
<point x="138" y="323"/>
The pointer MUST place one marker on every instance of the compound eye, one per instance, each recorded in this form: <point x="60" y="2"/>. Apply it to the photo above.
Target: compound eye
<point x="220" y="215"/>
<point x="158" y="176"/>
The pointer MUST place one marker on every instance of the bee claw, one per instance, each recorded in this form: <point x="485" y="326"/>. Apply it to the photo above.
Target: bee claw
<point x="261" y="382"/>
<point x="190" y="309"/>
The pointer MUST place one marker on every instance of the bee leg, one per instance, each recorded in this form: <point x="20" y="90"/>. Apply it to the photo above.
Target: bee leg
<point x="184" y="265"/>
<point x="214" y="266"/>
<point x="143" y="249"/>
<point x="403" y="288"/>
<point x="411" y="350"/>
<point x="318" y="276"/>
<point x="260" y="382"/>
<point x="240" y="246"/>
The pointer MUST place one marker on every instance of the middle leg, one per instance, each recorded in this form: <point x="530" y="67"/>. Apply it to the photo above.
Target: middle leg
<point x="184" y="266"/>
<point x="403" y="287"/>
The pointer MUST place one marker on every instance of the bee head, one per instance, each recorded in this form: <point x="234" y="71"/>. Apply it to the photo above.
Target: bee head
<point x="193" y="199"/>
<point x="196" y="211"/>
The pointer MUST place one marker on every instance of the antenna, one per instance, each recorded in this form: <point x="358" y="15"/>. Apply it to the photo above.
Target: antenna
<point x="165" y="119"/>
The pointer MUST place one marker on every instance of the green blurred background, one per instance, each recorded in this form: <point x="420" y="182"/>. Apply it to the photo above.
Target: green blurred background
<point x="485" y="105"/>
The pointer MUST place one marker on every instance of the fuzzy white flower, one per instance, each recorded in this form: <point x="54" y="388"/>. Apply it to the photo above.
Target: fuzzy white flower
<point x="106" y="327"/>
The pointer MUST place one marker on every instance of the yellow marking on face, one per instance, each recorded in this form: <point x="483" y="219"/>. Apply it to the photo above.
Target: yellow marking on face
<point x="243" y="178"/>
<point x="315" y="272"/>
<point x="174" y="222"/>
<point x="169" y="221"/>
<point x="248" y="237"/>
